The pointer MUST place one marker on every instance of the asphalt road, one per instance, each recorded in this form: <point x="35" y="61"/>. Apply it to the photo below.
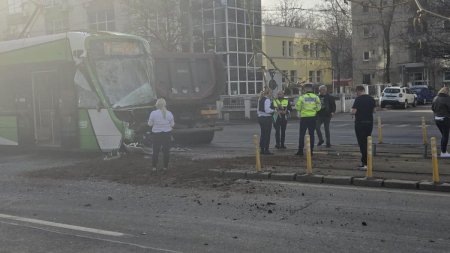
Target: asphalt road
<point x="44" y="215"/>
<point x="398" y="127"/>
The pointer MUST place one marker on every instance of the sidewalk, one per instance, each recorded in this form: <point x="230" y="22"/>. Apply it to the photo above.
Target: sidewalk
<point x="338" y="165"/>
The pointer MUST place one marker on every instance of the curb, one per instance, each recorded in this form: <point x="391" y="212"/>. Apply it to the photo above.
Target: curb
<point x="401" y="184"/>
<point x="337" y="180"/>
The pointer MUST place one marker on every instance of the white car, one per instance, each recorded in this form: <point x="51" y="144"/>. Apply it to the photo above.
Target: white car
<point x="398" y="96"/>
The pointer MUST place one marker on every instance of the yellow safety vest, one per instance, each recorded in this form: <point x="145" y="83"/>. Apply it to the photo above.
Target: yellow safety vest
<point x="308" y="105"/>
<point x="283" y="102"/>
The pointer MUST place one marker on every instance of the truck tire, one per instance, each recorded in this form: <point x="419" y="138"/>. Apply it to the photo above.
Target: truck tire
<point x="194" y="138"/>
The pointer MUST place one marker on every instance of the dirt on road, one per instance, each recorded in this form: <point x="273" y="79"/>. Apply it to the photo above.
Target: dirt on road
<point x="186" y="172"/>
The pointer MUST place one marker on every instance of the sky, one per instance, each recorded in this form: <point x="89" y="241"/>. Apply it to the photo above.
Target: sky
<point x="305" y="3"/>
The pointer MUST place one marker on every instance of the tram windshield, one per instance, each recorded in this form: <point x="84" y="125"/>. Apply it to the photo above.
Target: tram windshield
<point x="124" y="72"/>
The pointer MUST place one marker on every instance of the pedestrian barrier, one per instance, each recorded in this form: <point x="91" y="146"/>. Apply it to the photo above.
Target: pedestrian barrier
<point x="308" y="154"/>
<point x="257" y="154"/>
<point x="434" y="160"/>
<point x="369" y="157"/>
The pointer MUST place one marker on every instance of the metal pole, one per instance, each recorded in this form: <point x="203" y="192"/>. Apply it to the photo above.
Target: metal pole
<point x="434" y="160"/>
<point x="424" y="131"/>
<point x="380" y="131"/>
<point x="369" y="157"/>
<point x="257" y="155"/>
<point x="308" y="154"/>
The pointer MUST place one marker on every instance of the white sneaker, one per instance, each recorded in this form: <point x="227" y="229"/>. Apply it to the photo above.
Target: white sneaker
<point x="446" y="154"/>
<point x="164" y="169"/>
<point x="154" y="169"/>
<point x="362" y="167"/>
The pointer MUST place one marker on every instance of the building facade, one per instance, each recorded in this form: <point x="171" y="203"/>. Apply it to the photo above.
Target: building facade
<point x="226" y="27"/>
<point x="221" y="26"/>
<point x="298" y="54"/>
<point x="411" y="63"/>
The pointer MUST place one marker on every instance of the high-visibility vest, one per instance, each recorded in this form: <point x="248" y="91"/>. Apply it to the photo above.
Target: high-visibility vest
<point x="308" y="105"/>
<point x="284" y="102"/>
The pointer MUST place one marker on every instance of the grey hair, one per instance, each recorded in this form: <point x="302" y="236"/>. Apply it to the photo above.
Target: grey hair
<point x="323" y="86"/>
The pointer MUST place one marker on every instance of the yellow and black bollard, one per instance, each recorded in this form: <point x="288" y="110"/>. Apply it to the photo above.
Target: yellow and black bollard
<point x="369" y="157"/>
<point x="380" y="131"/>
<point x="258" y="157"/>
<point x="308" y="154"/>
<point x="434" y="160"/>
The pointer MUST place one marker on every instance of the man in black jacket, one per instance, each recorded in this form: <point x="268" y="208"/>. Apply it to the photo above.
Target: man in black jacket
<point x="325" y="114"/>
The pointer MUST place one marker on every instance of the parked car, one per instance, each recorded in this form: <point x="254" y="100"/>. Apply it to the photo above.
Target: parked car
<point x="424" y="95"/>
<point x="398" y="96"/>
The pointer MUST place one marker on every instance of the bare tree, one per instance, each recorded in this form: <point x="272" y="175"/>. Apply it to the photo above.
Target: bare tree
<point x="336" y="36"/>
<point x="158" y="21"/>
<point x="289" y="13"/>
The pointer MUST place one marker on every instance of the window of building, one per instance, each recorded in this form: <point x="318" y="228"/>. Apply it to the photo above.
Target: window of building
<point x="291" y="48"/>
<point x="311" y="76"/>
<point x="293" y="76"/>
<point x="365" y="8"/>
<point x="284" y="75"/>
<point x="55" y="26"/>
<point x="447" y="76"/>
<point x="15" y="6"/>
<point x="101" y="20"/>
<point x="312" y="50"/>
<point x="52" y="3"/>
<point x="366" y="56"/>
<point x="366" y="32"/>
<point x="283" y="48"/>
<point x="243" y="88"/>
<point x="319" y="76"/>
<point x="447" y="25"/>
<point x="366" y="79"/>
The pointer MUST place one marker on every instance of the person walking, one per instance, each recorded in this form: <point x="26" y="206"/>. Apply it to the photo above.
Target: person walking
<point x="282" y="108"/>
<point x="265" y="120"/>
<point x="307" y="107"/>
<point x="328" y="108"/>
<point x="441" y="109"/>
<point x="162" y="122"/>
<point x="363" y="109"/>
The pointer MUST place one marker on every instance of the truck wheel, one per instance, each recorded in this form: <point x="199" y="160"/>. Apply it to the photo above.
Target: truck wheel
<point x="195" y="138"/>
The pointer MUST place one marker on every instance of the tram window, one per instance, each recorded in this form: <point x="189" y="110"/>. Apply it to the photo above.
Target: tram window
<point x="86" y="97"/>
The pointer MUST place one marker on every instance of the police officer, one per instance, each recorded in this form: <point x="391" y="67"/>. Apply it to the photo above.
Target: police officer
<point x="307" y="107"/>
<point x="282" y="108"/>
<point x="265" y="120"/>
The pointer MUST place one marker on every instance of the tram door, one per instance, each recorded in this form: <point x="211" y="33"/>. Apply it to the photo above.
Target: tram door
<point x="45" y="109"/>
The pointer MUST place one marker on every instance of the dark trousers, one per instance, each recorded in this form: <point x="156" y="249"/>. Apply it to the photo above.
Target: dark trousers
<point x="161" y="140"/>
<point x="280" y="130"/>
<point x="444" y="127"/>
<point x="363" y="130"/>
<point x="265" y="122"/>
<point x="306" y="123"/>
<point x="325" y="120"/>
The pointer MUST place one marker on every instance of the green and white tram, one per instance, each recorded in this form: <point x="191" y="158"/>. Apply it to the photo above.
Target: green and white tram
<point x="74" y="90"/>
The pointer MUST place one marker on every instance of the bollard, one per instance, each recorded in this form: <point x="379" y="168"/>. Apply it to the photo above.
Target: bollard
<point x="434" y="160"/>
<point x="380" y="131"/>
<point x="369" y="157"/>
<point x="258" y="158"/>
<point x="308" y="154"/>
<point x="424" y="132"/>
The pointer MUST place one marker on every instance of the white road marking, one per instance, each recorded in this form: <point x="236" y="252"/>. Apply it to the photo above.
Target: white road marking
<point x="93" y="238"/>
<point x="412" y="192"/>
<point x="401" y="126"/>
<point x="61" y="225"/>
